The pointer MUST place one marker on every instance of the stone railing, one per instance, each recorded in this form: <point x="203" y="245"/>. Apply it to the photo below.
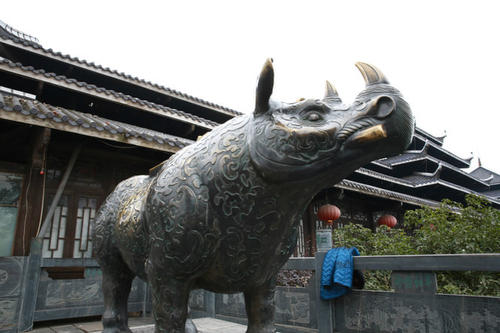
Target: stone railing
<point x="28" y="294"/>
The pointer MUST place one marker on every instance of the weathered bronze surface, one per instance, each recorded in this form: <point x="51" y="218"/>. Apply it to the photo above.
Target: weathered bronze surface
<point x="222" y="214"/>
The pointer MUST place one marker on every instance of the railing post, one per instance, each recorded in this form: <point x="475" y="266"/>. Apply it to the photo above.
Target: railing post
<point x="210" y="303"/>
<point x="324" y="309"/>
<point x="30" y="283"/>
<point x="145" y="299"/>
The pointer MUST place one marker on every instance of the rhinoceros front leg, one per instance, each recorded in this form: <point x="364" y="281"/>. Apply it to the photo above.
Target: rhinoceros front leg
<point x="170" y="302"/>
<point x="259" y="304"/>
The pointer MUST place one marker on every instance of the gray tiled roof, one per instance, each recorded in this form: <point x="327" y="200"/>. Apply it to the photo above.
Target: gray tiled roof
<point x="105" y="93"/>
<point x="485" y="175"/>
<point x="407" y="156"/>
<point x="106" y="70"/>
<point x="420" y="155"/>
<point x="465" y="161"/>
<point x="494" y="194"/>
<point x="414" y="155"/>
<point x="9" y="32"/>
<point x="24" y="110"/>
<point x="427" y="135"/>
<point x="421" y="180"/>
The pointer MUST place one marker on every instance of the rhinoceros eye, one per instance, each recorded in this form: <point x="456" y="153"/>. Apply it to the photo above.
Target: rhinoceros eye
<point x="313" y="116"/>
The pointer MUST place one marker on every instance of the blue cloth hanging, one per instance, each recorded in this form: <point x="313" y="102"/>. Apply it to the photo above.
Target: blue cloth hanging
<point x="337" y="271"/>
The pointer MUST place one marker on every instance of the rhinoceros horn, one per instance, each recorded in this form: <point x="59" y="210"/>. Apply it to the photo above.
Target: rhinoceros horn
<point x="264" y="87"/>
<point x="331" y="94"/>
<point x="371" y="74"/>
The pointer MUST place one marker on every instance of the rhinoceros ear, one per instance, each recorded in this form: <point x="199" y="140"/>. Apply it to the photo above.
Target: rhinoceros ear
<point x="264" y="88"/>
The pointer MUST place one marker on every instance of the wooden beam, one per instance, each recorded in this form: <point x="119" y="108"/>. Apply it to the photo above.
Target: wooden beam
<point x="39" y="90"/>
<point x="60" y="190"/>
<point x="29" y="214"/>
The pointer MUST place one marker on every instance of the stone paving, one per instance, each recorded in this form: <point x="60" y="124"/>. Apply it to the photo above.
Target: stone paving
<point x="145" y="325"/>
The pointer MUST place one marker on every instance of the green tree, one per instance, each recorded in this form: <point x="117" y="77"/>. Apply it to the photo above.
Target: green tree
<point x="451" y="228"/>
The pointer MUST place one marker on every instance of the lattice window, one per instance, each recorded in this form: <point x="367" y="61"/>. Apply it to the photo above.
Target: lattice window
<point x="85" y="216"/>
<point x="53" y="240"/>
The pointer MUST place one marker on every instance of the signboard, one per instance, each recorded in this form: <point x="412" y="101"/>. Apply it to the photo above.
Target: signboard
<point x="324" y="239"/>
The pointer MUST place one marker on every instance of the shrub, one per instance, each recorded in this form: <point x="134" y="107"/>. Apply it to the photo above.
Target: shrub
<point x="451" y="228"/>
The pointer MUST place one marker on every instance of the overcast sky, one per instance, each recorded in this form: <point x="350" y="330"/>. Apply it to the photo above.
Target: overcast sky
<point x="442" y="55"/>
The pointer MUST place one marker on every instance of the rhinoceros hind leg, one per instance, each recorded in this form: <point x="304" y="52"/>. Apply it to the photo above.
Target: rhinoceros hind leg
<point x="116" y="283"/>
<point x="259" y="305"/>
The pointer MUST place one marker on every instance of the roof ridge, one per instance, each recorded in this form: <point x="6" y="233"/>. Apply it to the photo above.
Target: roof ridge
<point x="361" y="187"/>
<point x="430" y="136"/>
<point x="11" y="31"/>
<point x="170" y="91"/>
<point x="380" y="175"/>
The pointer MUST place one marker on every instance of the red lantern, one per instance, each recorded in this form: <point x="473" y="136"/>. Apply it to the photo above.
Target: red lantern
<point x="387" y="220"/>
<point x="328" y="213"/>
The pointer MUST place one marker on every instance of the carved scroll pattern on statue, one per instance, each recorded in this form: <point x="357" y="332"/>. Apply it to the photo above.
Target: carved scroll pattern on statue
<point x="176" y="188"/>
<point x="181" y="184"/>
<point x="288" y="143"/>
<point x="130" y="221"/>
<point x="247" y="227"/>
<point x="236" y="188"/>
<point x="101" y="230"/>
<point x="221" y="159"/>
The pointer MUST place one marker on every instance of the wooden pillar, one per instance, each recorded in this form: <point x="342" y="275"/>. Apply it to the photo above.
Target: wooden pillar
<point x="310" y="230"/>
<point x="30" y="212"/>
